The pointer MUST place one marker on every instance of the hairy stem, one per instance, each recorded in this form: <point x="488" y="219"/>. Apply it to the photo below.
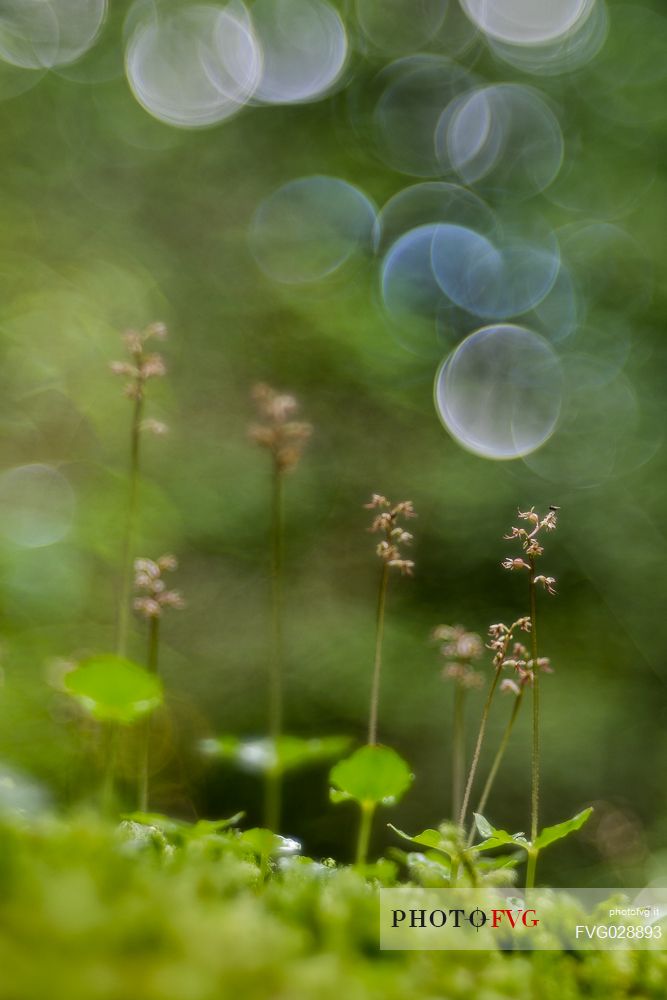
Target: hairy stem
<point x="377" y="663"/>
<point x="497" y="761"/>
<point x="478" y="745"/>
<point x="530" y="869"/>
<point x="535" y="790"/>
<point x="130" y="527"/>
<point x="273" y="789"/>
<point x="458" y="748"/>
<point x="364" y="836"/>
<point x="152" y="665"/>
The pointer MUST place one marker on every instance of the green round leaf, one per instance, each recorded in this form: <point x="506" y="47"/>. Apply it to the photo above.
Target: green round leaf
<point x="113" y="689"/>
<point x="372" y="775"/>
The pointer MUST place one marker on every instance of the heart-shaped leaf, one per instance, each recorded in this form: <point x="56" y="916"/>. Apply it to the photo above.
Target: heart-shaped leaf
<point x="552" y="833"/>
<point x="113" y="689"/>
<point x="373" y="775"/>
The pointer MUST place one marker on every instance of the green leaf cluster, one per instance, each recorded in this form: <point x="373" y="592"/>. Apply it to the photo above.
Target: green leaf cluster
<point x="493" y="837"/>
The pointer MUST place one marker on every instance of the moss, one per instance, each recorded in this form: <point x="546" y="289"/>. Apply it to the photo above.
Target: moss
<point x="88" y="914"/>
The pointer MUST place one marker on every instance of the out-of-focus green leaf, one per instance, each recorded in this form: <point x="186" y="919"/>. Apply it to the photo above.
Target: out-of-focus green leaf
<point x="180" y="828"/>
<point x="373" y="775"/>
<point x="113" y="689"/>
<point x="161" y="822"/>
<point x="205" y="827"/>
<point x="431" y="870"/>
<point x="267" y="756"/>
<point x="266" y="844"/>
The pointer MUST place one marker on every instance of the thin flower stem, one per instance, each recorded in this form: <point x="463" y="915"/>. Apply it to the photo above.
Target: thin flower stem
<point x="276" y="662"/>
<point x="478" y="745"/>
<point x="152" y="665"/>
<point x="533" y="549"/>
<point x="365" y="826"/>
<point x="458" y="748"/>
<point x="497" y="760"/>
<point x="377" y="664"/>
<point x="130" y="526"/>
<point x="535" y="791"/>
<point x="273" y="789"/>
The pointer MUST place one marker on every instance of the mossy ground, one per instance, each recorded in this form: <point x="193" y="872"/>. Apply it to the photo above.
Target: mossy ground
<point x="91" y="911"/>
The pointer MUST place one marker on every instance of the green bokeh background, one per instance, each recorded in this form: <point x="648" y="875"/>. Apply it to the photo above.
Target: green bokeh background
<point x="112" y="220"/>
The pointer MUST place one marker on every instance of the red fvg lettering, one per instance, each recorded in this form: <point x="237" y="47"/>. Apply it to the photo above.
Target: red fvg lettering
<point x="513" y="917"/>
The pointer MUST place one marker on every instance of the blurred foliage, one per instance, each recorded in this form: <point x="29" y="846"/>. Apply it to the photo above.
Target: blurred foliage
<point x="113" y="219"/>
<point x="114" y="690"/>
<point x="120" y="912"/>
